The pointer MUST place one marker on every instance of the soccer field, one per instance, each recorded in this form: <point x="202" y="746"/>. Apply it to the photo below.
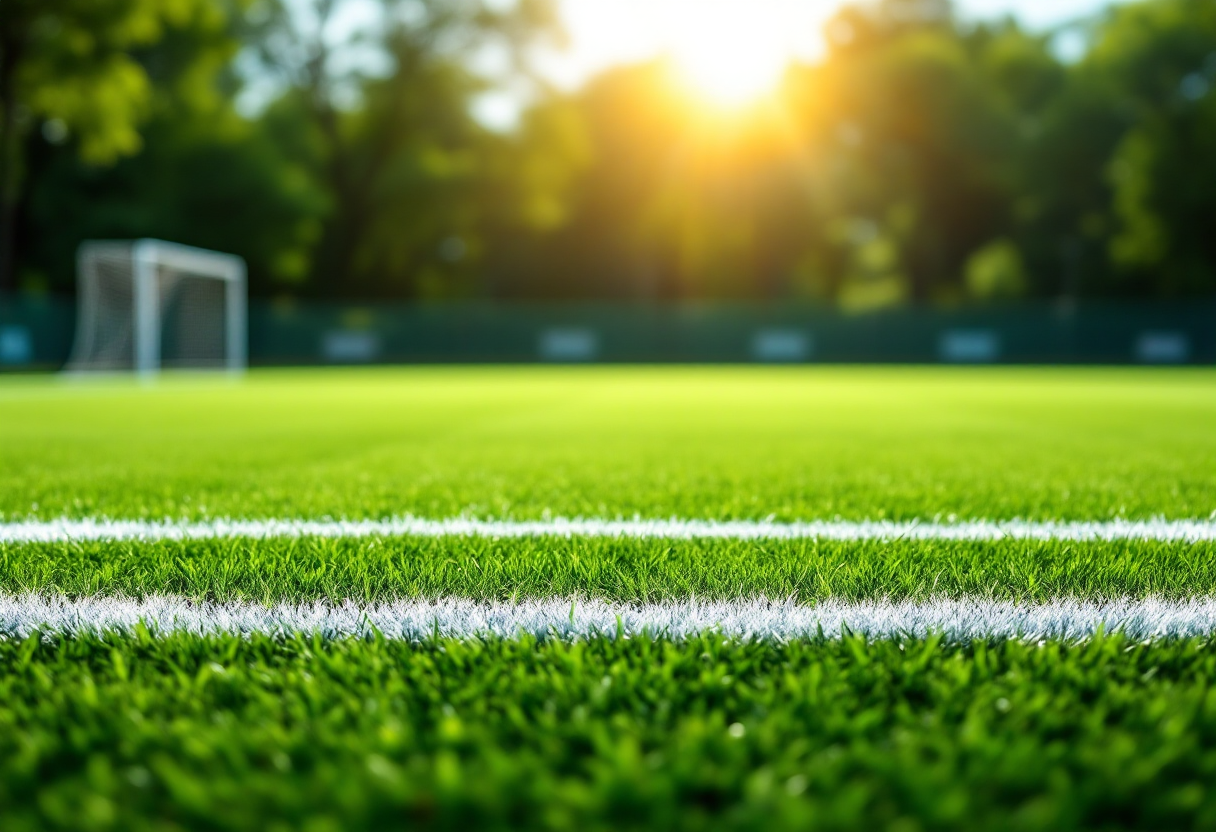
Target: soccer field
<point x="659" y="598"/>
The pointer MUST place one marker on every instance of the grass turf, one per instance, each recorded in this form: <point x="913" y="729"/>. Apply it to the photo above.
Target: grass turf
<point x="135" y="732"/>
<point x="228" y="733"/>
<point x="371" y="570"/>
<point x="694" y="442"/>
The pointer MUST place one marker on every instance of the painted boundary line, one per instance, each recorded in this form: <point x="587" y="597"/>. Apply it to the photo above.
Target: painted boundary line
<point x="957" y="619"/>
<point x="64" y="530"/>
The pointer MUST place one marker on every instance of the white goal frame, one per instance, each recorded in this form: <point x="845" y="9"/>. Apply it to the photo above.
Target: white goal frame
<point x="151" y="265"/>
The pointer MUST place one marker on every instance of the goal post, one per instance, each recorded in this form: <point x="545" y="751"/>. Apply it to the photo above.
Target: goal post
<point x="147" y="305"/>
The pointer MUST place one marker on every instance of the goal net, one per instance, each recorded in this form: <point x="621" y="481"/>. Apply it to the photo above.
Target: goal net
<point x="145" y="305"/>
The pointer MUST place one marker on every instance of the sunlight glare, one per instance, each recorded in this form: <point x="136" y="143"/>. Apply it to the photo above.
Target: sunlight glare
<point x="729" y="53"/>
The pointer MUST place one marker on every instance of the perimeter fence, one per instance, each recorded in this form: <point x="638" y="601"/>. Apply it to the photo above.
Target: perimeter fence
<point x="37" y="333"/>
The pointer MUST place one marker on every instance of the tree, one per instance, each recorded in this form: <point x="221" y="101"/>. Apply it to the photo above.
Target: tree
<point x="204" y="175"/>
<point x="66" y="65"/>
<point x="395" y="144"/>
<point x="922" y="122"/>
<point x="1161" y="56"/>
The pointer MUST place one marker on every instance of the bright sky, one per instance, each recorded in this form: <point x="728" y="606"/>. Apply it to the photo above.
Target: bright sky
<point x="720" y="39"/>
<point x="731" y="50"/>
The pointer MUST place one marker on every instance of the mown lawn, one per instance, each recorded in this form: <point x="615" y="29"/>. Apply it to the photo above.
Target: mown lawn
<point x="734" y="442"/>
<point x="155" y="730"/>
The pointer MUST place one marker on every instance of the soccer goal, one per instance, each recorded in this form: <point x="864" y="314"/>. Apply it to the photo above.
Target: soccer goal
<point x="145" y="305"/>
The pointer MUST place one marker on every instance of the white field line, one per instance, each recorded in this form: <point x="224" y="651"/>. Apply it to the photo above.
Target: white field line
<point x="66" y="530"/>
<point x="957" y="619"/>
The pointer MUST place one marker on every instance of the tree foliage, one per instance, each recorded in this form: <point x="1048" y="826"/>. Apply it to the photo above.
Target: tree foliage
<point x="920" y="160"/>
<point x="70" y="66"/>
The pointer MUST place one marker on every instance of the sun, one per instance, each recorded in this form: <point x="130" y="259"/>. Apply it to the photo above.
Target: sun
<point x="729" y="56"/>
<point x="728" y="52"/>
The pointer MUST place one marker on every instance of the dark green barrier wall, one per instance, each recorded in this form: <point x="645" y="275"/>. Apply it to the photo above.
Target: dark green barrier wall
<point x="317" y="334"/>
<point x="35" y="333"/>
<point x="716" y="333"/>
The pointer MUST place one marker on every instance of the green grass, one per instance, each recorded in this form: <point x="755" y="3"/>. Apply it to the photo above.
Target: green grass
<point x="694" y="442"/>
<point x="617" y="570"/>
<point x="252" y="734"/>
<point x="184" y="732"/>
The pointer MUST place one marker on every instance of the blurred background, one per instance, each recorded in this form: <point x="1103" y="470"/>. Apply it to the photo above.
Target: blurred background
<point x="629" y="180"/>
